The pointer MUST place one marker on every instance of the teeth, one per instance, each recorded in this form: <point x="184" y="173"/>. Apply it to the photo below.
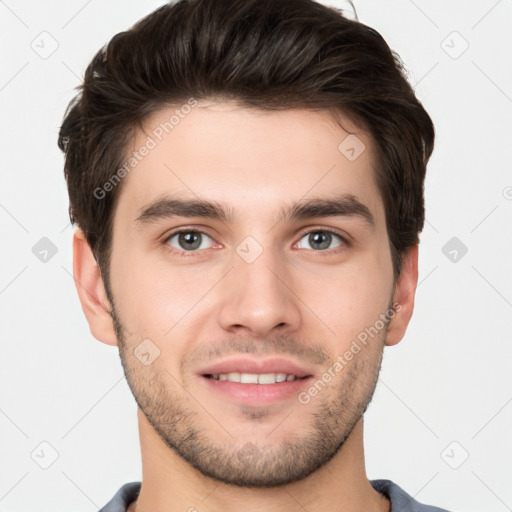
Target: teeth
<point x="248" y="378"/>
<point x="254" y="378"/>
<point x="267" y="378"/>
<point x="233" y="376"/>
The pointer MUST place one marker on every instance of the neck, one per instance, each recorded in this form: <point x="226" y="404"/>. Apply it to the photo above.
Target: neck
<point x="170" y="484"/>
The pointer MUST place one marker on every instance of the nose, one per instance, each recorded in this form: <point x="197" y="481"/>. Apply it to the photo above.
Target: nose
<point x="258" y="298"/>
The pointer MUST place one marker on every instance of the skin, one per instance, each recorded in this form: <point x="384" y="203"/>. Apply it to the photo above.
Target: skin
<point x="201" y="449"/>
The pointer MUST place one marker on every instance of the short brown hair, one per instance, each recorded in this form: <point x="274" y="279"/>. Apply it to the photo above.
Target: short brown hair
<point x="265" y="54"/>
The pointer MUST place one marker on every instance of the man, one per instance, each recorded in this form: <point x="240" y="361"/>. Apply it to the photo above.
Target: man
<point x="247" y="180"/>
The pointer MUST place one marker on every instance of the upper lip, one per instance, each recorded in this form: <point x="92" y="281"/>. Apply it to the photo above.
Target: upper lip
<point x="246" y="365"/>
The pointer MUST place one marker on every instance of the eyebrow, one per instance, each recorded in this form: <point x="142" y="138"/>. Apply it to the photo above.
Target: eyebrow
<point x="345" y="205"/>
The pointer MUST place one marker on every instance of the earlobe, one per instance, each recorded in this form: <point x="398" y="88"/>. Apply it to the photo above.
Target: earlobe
<point x="91" y="290"/>
<point x="403" y="297"/>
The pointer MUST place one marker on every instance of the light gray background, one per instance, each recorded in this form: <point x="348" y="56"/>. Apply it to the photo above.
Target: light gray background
<point x="444" y="391"/>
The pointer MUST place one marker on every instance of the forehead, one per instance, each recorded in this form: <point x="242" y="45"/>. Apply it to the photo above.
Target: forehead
<point x="254" y="161"/>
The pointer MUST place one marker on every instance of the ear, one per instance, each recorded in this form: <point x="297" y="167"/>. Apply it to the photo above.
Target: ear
<point x="403" y="296"/>
<point x="91" y="290"/>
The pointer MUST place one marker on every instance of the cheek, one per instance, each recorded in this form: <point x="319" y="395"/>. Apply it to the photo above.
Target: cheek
<point x="347" y="298"/>
<point x="156" y="298"/>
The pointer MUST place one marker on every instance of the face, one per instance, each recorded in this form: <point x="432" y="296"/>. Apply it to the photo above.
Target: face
<point x="236" y="315"/>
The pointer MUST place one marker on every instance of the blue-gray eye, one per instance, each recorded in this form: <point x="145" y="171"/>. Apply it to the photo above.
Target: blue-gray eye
<point x="188" y="240"/>
<point x="321" y="240"/>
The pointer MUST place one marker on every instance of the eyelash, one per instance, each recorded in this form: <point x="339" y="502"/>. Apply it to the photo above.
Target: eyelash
<point x="194" y="253"/>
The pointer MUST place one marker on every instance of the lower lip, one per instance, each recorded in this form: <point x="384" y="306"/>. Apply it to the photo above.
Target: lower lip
<point x="257" y="394"/>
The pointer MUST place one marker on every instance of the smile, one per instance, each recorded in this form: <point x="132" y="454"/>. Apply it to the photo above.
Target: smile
<point x="254" y="378"/>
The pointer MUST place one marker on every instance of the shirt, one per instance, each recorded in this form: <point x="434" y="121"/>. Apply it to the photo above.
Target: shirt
<point x="400" y="500"/>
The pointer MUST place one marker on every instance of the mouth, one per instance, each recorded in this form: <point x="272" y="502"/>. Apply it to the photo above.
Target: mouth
<point x="254" y="378"/>
<point x="255" y="382"/>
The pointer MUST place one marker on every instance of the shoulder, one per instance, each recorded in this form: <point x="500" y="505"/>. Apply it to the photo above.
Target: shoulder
<point x="123" y="497"/>
<point x="400" y="500"/>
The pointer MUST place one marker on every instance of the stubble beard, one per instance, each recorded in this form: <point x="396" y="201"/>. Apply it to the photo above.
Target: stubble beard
<point x="259" y="462"/>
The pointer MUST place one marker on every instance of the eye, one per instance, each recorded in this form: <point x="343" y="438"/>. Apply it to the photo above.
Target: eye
<point x="322" y="239"/>
<point x="191" y="241"/>
<point x="188" y="240"/>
